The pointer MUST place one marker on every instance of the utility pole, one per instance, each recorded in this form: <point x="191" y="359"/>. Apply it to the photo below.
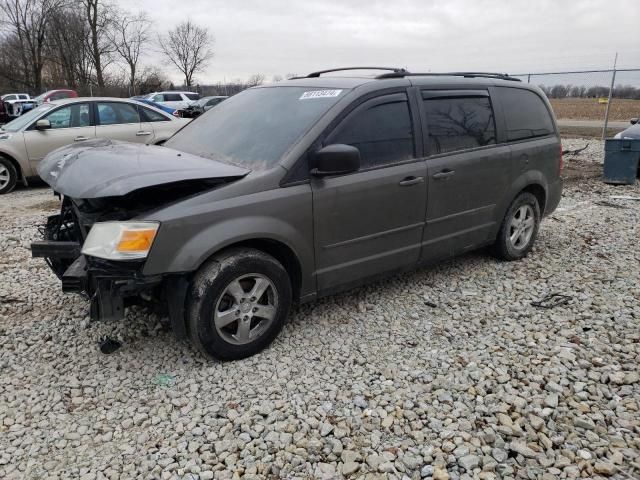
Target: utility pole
<point x="606" y="112"/>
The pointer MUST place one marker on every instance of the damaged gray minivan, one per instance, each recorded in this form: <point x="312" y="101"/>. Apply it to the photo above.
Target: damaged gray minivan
<point x="289" y="192"/>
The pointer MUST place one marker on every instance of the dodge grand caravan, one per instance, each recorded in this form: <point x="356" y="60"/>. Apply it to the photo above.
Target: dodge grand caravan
<point x="289" y="192"/>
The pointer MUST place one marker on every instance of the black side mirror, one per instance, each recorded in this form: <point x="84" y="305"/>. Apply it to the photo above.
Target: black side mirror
<point x="336" y="159"/>
<point x="633" y="121"/>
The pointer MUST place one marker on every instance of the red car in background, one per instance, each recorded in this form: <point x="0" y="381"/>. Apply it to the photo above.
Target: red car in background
<point x="55" y="95"/>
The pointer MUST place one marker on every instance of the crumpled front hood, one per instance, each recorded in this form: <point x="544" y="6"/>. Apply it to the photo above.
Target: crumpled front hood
<point x="108" y="168"/>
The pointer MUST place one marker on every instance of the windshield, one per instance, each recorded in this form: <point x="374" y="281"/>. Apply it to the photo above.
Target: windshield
<point x="255" y="128"/>
<point x="25" y="119"/>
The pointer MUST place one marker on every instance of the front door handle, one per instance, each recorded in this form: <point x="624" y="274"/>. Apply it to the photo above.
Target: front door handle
<point x="411" y="181"/>
<point x="142" y="134"/>
<point x="80" y="139"/>
<point x="444" y="174"/>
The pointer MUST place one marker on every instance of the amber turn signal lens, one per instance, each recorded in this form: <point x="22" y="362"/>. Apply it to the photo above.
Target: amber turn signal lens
<point x="136" y="240"/>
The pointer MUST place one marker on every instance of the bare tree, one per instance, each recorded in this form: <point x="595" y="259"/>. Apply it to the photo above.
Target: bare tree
<point x="129" y="36"/>
<point x="27" y="21"/>
<point x="277" y="78"/>
<point x="67" y="48"/>
<point x="188" y="47"/>
<point x="255" y="80"/>
<point x="99" y="15"/>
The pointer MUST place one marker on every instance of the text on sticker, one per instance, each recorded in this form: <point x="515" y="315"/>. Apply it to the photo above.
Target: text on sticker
<point x="320" y="94"/>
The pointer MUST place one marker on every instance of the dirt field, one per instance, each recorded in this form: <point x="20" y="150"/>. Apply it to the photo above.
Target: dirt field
<point x="590" y="109"/>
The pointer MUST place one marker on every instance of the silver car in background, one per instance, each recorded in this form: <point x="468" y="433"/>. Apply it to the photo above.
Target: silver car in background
<point x="25" y="141"/>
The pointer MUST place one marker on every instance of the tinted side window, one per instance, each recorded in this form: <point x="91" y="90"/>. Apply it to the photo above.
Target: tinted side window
<point x="149" y="115"/>
<point x="525" y="114"/>
<point x="459" y="123"/>
<point x="114" y="113"/>
<point x="172" y="97"/>
<point x="192" y="96"/>
<point x="76" y="115"/>
<point x="382" y="132"/>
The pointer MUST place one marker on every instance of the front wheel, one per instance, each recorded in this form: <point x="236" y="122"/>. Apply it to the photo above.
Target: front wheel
<point x="519" y="228"/>
<point x="238" y="303"/>
<point x="8" y="176"/>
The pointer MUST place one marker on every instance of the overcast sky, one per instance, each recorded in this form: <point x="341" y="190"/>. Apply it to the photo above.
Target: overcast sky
<point x="276" y="37"/>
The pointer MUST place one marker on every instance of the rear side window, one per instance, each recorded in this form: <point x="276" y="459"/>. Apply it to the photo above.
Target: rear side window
<point x="149" y="115"/>
<point x="60" y="95"/>
<point x="172" y="97"/>
<point x="525" y="114"/>
<point x="459" y="123"/>
<point x="381" y="130"/>
<point x="115" y="113"/>
<point x="192" y="96"/>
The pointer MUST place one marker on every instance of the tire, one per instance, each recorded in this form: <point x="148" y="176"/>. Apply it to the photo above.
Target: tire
<point x="225" y="321"/>
<point x="508" y="248"/>
<point x="8" y="175"/>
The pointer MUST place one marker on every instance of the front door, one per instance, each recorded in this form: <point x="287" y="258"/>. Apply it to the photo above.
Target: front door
<point x="69" y="124"/>
<point x="468" y="171"/>
<point x="370" y="222"/>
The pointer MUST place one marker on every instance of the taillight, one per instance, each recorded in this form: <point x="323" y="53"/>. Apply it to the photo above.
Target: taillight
<point x="561" y="163"/>
<point x="175" y="113"/>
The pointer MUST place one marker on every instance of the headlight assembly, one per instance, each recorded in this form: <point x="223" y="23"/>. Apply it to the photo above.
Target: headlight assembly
<point x="120" y="240"/>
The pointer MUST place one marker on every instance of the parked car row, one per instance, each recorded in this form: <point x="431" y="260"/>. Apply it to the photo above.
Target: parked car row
<point x="178" y="104"/>
<point x="13" y="105"/>
<point x="26" y="140"/>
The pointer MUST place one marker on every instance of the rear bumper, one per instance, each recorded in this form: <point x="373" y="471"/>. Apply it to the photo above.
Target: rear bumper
<point x="554" y="194"/>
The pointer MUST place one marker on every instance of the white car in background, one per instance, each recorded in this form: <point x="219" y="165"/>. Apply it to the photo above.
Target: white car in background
<point x="17" y="103"/>
<point x="173" y="99"/>
<point x="25" y="141"/>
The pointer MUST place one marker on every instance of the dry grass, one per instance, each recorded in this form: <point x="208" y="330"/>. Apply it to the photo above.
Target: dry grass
<point x="590" y="109"/>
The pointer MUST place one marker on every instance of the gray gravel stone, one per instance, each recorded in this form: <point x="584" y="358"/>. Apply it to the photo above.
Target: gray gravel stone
<point x="374" y="382"/>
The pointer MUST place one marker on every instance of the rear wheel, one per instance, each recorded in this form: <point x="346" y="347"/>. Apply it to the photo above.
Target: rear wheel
<point x="519" y="228"/>
<point x="8" y="175"/>
<point x="238" y="303"/>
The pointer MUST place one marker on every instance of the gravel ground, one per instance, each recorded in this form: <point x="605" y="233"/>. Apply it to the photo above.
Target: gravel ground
<point x="447" y="372"/>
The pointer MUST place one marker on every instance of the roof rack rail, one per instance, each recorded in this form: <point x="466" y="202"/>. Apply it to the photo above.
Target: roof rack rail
<point x="331" y="70"/>
<point x="500" y="76"/>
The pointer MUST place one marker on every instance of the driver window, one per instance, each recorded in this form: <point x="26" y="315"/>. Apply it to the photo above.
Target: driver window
<point x="72" y="116"/>
<point x="381" y="130"/>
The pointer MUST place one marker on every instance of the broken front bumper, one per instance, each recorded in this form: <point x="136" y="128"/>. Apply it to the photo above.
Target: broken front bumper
<point x="108" y="285"/>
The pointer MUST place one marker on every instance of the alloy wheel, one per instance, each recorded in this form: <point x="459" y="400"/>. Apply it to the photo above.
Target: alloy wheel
<point x="246" y="308"/>
<point x="521" y="227"/>
<point x="5" y="176"/>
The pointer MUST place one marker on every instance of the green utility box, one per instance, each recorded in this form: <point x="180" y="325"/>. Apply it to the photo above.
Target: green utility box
<point x="621" y="159"/>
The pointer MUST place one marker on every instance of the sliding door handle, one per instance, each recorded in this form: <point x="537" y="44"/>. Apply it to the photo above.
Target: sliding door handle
<point x="446" y="173"/>
<point x="411" y="181"/>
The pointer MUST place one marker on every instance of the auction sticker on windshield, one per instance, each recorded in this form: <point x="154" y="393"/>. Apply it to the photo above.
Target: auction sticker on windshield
<point x="320" y="94"/>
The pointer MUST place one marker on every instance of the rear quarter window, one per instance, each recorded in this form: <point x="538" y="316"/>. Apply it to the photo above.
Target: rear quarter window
<point x="525" y="114"/>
